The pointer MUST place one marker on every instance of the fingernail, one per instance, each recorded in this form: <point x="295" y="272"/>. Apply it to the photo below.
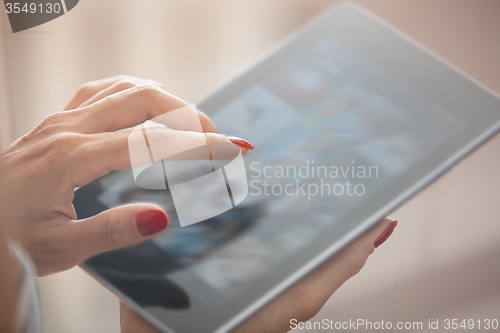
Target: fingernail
<point x="151" y="222"/>
<point x="240" y="142"/>
<point x="386" y="234"/>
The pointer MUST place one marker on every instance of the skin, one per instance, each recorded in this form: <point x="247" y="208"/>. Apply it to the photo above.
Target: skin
<point x="8" y="287"/>
<point x="88" y="140"/>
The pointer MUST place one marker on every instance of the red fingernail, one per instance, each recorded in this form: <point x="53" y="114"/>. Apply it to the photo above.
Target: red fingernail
<point x="151" y="222"/>
<point x="386" y="234"/>
<point x="240" y="142"/>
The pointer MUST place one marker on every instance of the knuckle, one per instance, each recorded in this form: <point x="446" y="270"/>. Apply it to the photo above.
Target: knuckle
<point x="111" y="232"/>
<point x="308" y="306"/>
<point x="124" y="77"/>
<point x="309" y="313"/>
<point x="53" y="122"/>
<point x="68" y="146"/>
<point x="85" y="91"/>
<point x="125" y="84"/>
<point x="157" y="136"/>
<point x="67" y="139"/>
<point x="356" y="265"/>
<point x="56" y="119"/>
<point x="146" y="91"/>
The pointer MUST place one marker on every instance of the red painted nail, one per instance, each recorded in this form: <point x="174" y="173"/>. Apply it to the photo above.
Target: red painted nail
<point x="386" y="234"/>
<point x="151" y="222"/>
<point x="240" y="142"/>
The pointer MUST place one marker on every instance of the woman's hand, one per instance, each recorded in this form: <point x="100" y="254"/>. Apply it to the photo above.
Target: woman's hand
<point x="304" y="299"/>
<point x="72" y="148"/>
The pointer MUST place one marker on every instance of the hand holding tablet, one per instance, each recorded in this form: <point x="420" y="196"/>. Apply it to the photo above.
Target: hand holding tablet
<point x="72" y="148"/>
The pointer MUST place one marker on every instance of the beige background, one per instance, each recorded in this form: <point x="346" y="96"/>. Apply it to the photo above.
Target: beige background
<point x="443" y="260"/>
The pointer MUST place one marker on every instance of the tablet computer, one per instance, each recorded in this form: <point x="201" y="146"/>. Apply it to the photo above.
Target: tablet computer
<point x="349" y="118"/>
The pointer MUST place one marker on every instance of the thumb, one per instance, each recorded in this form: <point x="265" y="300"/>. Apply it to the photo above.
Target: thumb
<point x="354" y="256"/>
<point x="349" y="261"/>
<point x="118" y="227"/>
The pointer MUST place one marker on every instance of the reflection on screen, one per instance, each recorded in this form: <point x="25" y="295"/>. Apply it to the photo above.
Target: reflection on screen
<point x="327" y="106"/>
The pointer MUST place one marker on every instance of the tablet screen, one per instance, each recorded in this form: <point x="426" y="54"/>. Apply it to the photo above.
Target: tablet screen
<point x="330" y="128"/>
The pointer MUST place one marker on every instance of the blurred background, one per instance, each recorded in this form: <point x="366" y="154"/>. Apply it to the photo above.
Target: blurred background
<point x="442" y="261"/>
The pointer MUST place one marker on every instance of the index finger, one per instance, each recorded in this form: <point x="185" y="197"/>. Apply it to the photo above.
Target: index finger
<point x="122" y="85"/>
<point x="120" y="150"/>
<point x="134" y="106"/>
